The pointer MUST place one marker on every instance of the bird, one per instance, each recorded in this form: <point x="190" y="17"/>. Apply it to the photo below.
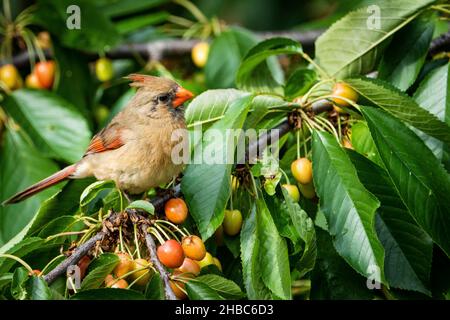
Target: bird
<point x="134" y="149"/>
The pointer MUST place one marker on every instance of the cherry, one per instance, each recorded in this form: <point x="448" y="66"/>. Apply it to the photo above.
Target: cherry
<point x="83" y="264"/>
<point x="189" y="266"/>
<point x="302" y="170"/>
<point x="177" y="287"/>
<point x="125" y="264"/>
<point x="43" y="40"/>
<point x="10" y="76"/>
<point x="232" y="222"/>
<point x="45" y="72"/>
<point x="36" y="272"/>
<point x="345" y="91"/>
<point x="292" y="191"/>
<point x="144" y="274"/>
<point x="32" y="81"/>
<point x="171" y="254"/>
<point x="346" y="143"/>
<point x="110" y="282"/>
<point x="206" y="261"/>
<point x="109" y="279"/>
<point x="193" y="247"/>
<point x="176" y="210"/>
<point x="104" y="69"/>
<point x="200" y="53"/>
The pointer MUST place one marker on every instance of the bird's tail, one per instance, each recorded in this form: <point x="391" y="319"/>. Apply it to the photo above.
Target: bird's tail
<point x="41" y="185"/>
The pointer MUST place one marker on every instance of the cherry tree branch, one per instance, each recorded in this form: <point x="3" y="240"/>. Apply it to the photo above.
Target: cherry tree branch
<point x="159" y="49"/>
<point x="170" y="295"/>
<point x="73" y="259"/>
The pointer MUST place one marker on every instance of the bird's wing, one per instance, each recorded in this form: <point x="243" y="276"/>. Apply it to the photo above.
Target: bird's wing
<point x="108" y="138"/>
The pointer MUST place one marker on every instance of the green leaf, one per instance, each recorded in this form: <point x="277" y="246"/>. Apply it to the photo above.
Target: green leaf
<point x="21" y="165"/>
<point x="405" y="56"/>
<point x="305" y="229"/>
<point x="58" y="225"/>
<point x="98" y="270"/>
<point x="119" y="8"/>
<point x="348" y="207"/>
<point x="57" y="128"/>
<point x="206" y="187"/>
<point x="300" y="81"/>
<point x="38" y="289"/>
<point x="273" y="255"/>
<point x="352" y="45"/>
<point x="363" y="143"/>
<point x="18" y="284"/>
<point x="129" y="25"/>
<point x="262" y="105"/>
<point x="254" y="75"/>
<point x="5" y="279"/>
<point x="332" y="278"/>
<point x="408" y="248"/>
<point x="224" y="287"/>
<point x="92" y="191"/>
<point x="400" y="105"/>
<point x="108" y="294"/>
<point x="200" y="291"/>
<point x="142" y="205"/>
<point x="225" y="55"/>
<point x="66" y="201"/>
<point x="211" y="105"/>
<point x="433" y="95"/>
<point x="250" y="251"/>
<point x="96" y="33"/>
<point x="155" y="288"/>
<point x="419" y="178"/>
<point x="19" y="250"/>
<point x="74" y="68"/>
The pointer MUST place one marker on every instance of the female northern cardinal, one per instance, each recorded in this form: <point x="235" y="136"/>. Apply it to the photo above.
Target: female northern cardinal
<point x="135" y="149"/>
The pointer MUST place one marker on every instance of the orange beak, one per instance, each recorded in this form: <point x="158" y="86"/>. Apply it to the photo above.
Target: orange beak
<point x="181" y="95"/>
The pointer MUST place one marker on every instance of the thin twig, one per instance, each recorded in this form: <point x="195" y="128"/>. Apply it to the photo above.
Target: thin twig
<point x="170" y="295"/>
<point x="76" y="256"/>
<point x="156" y="50"/>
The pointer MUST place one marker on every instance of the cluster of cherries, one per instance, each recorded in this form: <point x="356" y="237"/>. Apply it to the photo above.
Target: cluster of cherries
<point x="302" y="167"/>
<point x="41" y="77"/>
<point x="183" y="258"/>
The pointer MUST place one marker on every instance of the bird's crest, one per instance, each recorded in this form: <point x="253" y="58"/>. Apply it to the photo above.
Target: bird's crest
<point x="151" y="82"/>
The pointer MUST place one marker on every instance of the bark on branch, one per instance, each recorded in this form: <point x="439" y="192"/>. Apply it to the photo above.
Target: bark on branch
<point x="156" y="50"/>
<point x="78" y="253"/>
<point x="164" y="274"/>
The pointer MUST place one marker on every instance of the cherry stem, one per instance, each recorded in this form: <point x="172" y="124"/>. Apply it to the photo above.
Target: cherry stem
<point x="162" y="231"/>
<point x="121" y="239"/>
<point x="136" y="242"/>
<point x="168" y="230"/>
<point x="314" y="87"/>
<point x="51" y="261"/>
<point x="173" y="226"/>
<point x="154" y="232"/>
<point x="62" y="234"/>
<point x="23" y="263"/>
<point x="285" y="176"/>
<point x="137" y="279"/>
<point x="319" y="68"/>
<point x="231" y="194"/>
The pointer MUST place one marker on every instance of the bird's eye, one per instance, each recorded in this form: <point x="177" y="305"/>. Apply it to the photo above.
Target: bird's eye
<point x="163" y="98"/>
